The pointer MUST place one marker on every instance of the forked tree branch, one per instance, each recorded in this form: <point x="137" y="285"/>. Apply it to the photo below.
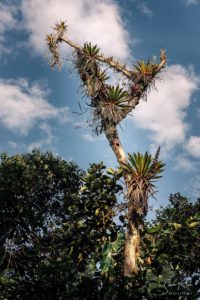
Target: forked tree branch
<point x="111" y="62"/>
<point x="107" y="60"/>
<point x="129" y="74"/>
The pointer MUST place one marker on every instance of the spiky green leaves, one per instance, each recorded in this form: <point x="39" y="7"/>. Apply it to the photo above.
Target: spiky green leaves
<point x="141" y="172"/>
<point x="88" y="68"/>
<point x="110" y="105"/>
<point x="116" y="95"/>
<point x="107" y="102"/>
<point x="91" y="50"/>
<point x="145" y="68"/>
<point x="113" y="103"/>
<point x="143" y="166"/>
<point x="145" y="74"/>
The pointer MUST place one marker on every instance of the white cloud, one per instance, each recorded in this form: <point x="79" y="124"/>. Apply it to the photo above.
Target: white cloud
<point x="7" y="22"/>
<point x="191" y="2"/>
<point x="193" y="186"/>
<point x="183" y="163"/>
<point x="144" y="9"/>
<point x="88" y="137"/>
<point x="164" y="113"/>
<point x="88" y="20"/>
<point x="12" y="144"/>
<point x="48" y="140"/>
<point x="193" y="146"/>
<point x="23" y="105"/>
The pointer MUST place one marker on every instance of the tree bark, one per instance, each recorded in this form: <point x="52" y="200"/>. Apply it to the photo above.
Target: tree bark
<point x="107" y="60"/>
<point x="131" y="249"/>
<point x="114" y="141"/>
<point x="132" y="236"/>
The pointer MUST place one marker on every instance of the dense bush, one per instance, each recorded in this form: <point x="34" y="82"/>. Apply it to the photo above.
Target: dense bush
<point x="62" y="236"/>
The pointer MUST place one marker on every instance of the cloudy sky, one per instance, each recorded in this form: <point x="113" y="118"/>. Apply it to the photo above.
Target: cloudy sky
<point x="37" y="104"/>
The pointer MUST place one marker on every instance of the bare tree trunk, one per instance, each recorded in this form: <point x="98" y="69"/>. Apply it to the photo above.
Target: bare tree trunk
<point x="114" y="141"/>
<point x="132" y="236"/>
<point x="131" y="249"/>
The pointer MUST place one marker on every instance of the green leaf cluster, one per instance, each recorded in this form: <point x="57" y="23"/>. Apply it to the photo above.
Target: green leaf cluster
<point x="141" y="171"/>
<point x="91" y="50"/>
<point x="143" y="167"/>
<point x="61" y="238"/>
<point x="54" y="222"/>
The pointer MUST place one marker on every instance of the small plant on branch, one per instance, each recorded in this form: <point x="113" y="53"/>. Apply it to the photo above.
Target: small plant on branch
<point x="142" y="171"/>
<point x="113" y="104"/>
<point x="146" y="75"/>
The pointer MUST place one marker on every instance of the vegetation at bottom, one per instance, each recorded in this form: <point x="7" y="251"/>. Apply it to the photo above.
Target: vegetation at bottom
<point x="62" y="233"/>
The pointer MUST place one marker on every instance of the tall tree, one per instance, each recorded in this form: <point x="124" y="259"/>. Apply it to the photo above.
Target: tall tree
<point x="109" y="106"/>
<point x="52" y="232"/>
<point x="36" y="193"/>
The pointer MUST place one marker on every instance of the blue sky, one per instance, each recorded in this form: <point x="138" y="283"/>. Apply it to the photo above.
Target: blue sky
<point x="37" y="104"/>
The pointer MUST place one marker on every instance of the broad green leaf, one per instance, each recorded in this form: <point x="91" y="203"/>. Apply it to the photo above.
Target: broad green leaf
<point x="111" y="171"/>
<point x="177" y="226"/>
<point x="193" y="224"/>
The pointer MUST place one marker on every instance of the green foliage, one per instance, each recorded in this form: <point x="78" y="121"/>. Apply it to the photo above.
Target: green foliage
<point x="88" y="69"/>
<point x="171" y="247"/>
<point x="145" y="68"/>
<point x="114" y="102"/>
<point x="54" y="222"/>
<point x="102" y="76"/>
<point x="116" y="95"/>
<point x="90" y="50"/>
<point x="60" y="237"/>
<point x="145" y="71"/>
<point x="145" y="75"/>
<point x="141" y="172"/>
<point x="143" y="166"/>
<point x="36" y="193"/>
<point x="107" y="105"/>
<point x="179" y="225"/>
<point x="110" y="251"/>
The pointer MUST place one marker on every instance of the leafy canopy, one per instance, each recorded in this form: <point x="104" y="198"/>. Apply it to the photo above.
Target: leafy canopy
<point x="62" y="235"/>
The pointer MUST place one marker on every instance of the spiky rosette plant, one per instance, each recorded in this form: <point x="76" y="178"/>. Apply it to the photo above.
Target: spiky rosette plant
<point x="91" y="50"/>
<point x="108" y="104"/>
<point x="88" y="69"/>
<point x="141" y="172"/>
<point x="113" y="104"/>
<point x="145" y="73"/>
